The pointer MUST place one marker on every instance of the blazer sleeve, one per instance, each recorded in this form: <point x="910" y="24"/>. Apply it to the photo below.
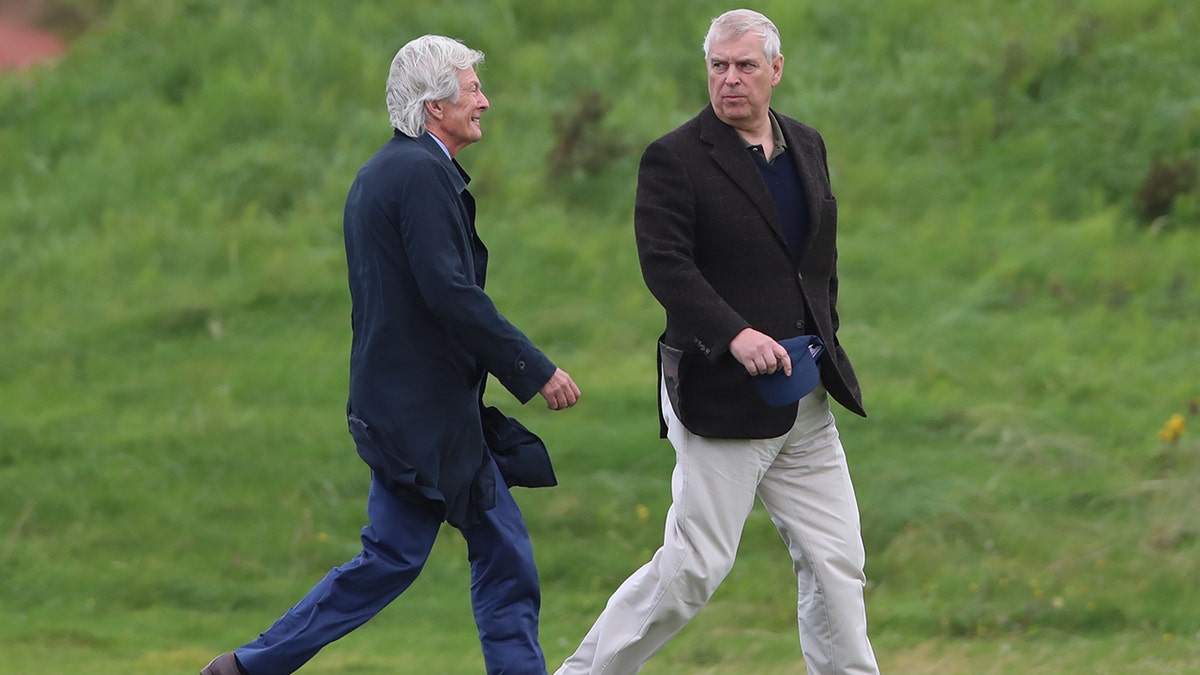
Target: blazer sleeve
<point x="437" y="242"/>
<point x="665" y="221"/>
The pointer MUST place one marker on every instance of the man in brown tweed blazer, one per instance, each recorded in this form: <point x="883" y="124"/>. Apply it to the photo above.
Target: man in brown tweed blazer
<point x="736" y="230"/>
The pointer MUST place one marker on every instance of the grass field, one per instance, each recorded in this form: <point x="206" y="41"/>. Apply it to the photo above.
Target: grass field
<point x="1020" y="233"/>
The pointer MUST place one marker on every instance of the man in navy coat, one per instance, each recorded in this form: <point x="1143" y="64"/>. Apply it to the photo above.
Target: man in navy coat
<point x="425" y="338"/>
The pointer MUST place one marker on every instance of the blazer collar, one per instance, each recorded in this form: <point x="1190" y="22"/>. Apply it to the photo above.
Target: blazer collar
<point x="730" y="154"/>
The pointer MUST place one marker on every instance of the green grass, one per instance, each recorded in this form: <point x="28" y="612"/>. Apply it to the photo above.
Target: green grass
<point x="174" y="465"/>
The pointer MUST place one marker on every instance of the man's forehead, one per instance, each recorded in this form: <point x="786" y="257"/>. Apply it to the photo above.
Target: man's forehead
<point x="737" y="50"/>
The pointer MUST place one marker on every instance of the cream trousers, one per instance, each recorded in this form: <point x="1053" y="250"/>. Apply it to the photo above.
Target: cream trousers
<point x="804" y="483"/>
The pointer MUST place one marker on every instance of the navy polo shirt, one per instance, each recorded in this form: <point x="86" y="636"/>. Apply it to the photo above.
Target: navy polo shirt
<point x="783" y="180"/>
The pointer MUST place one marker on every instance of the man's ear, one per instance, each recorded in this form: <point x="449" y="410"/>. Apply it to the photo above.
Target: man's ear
<point x="434" y="108"/>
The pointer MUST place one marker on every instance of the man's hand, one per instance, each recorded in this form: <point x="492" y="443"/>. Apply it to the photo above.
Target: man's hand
<point x="560" y="391"/>
<point x="760" y="354"/>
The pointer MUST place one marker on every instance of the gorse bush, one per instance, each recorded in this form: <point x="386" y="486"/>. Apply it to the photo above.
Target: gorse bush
<point x="1164" y="183"/>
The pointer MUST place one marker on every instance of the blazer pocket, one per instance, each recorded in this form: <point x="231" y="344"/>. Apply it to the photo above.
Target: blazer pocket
<point x="828" y="212"/>
<point x="670" y="359"/>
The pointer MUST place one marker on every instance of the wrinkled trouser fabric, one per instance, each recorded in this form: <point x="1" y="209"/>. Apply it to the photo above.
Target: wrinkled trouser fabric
<point x="803" y="481"/>
<point x="505" y="595"/>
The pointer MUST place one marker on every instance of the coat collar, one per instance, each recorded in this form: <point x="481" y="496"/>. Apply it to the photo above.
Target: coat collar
<point x="457" y="174"/>
<point x="458" y="179"/>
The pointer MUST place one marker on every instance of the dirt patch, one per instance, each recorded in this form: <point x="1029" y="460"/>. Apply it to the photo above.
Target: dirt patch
<point x="22" y="46"/>
<point x="23" y="42"/>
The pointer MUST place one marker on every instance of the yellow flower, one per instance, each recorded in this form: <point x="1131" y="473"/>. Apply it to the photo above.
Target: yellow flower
<point x="1173" y="429"/>
<point x="643" y="512"/>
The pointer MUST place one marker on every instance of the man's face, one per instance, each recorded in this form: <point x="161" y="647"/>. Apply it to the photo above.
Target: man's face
<point x="740" y="79"/>
<point x="459" y="124"/>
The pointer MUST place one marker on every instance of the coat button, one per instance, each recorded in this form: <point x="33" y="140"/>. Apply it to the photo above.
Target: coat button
<point x="520" y="365"/>
<point x="799" y="324"/>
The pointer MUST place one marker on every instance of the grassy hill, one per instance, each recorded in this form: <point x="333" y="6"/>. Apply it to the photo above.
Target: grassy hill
<point x="1020" y="231"/>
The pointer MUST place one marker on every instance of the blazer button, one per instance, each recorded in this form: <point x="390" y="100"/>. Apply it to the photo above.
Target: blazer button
<point x="799" y="324"/>
<point x="520" y="365"/>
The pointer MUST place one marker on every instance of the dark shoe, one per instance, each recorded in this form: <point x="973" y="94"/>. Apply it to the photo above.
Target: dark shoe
<point x="225" y="664"/>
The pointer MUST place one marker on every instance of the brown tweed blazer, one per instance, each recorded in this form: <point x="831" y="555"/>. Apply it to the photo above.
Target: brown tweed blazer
<point x="712" y="253"/>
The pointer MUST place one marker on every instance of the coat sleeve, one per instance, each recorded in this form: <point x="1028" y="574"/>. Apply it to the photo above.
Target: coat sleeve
<point x="437" y="242"/>
<point x="665" y="221"/>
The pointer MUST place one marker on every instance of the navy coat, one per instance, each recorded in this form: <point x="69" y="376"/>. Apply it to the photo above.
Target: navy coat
<point x="425" y="335"/>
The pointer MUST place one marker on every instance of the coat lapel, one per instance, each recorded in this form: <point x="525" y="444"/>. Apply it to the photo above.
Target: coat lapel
<point x="459" y="178"/>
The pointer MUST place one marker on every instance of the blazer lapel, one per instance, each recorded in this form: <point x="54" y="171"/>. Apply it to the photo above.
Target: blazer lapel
<point x="730" y="155"/>
<point x="807" y="157"/>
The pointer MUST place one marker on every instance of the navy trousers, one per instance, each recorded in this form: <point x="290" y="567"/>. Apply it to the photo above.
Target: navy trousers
<point x="505" y="594"/>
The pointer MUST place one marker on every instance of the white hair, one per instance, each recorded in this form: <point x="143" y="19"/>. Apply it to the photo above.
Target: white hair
<point x="736" y="23"/>
<point x="425" y="69"/>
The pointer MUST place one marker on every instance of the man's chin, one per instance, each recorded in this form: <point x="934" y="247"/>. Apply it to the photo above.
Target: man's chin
<point x="730" y="116"/>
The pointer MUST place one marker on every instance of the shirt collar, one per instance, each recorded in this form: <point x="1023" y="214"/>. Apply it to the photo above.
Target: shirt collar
<point x="447" y="150"/>
<point x="780" y="144"/>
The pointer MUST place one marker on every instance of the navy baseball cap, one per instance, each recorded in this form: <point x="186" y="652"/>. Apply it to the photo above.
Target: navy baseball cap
<point x="778" y="389"/>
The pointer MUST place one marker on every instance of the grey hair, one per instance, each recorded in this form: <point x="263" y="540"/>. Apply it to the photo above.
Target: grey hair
<point x="425" y="69"/>
<point x="736" y="23"/>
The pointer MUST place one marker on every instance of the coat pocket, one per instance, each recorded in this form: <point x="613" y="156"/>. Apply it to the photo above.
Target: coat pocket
<point x="520" y="455"/>
<point x="396" y="475"/>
